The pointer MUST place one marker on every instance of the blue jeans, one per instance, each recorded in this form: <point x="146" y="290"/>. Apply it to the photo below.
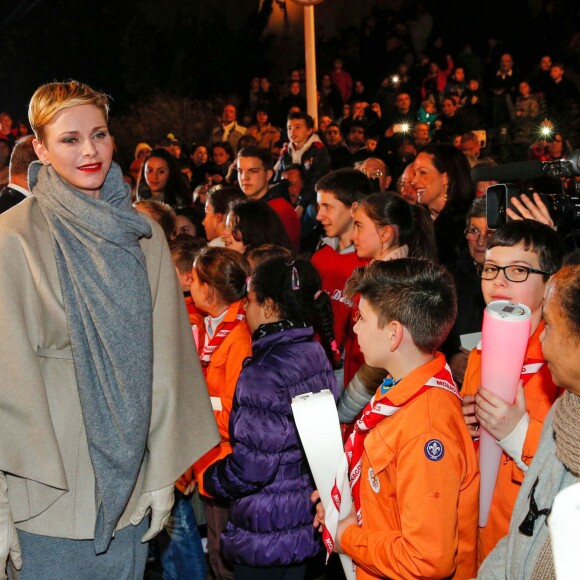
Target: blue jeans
<point x="183" y="558"/>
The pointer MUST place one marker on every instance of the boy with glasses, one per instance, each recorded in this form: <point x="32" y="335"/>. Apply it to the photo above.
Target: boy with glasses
<point x="520" y="259"/>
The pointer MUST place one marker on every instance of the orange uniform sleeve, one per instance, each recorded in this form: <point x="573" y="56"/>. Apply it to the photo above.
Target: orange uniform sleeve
<point x="222" y="377"/>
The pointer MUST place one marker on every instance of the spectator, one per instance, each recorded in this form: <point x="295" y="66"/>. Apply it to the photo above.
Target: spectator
<point x="449" y="123"/>
<point x="337" y="193"/>
<point x="527" y="110"/>
<point x="305" y="148"/>
<point x="560" y="92"/>
<point x="527" y="253"/>
<point x="160" y="212"/>
<point x="216" y="211"/>
<point x="377" y="172"/>
<point x="293" y="99"/>
<point x="540" y="79"/>
<point x="293" y="175"/>
<point x="200" y="165"/>
<point x="355" y="141"/>
<point x="340" y="155"/>
<point x="471" y="147"/>
<point x="444" y="185"/>
<point x="503" y="88"/>
<point x="222" y="156"/>
<point x="255" y="170"/>
<point x="250" y="224"/>
<point x="265" y="133"/>
<point x="22" y="156"/>
<point x="470" y="304"/>
<point x="456" y="84"/>
<point x="228" y="130"/>
<point x="529" y="552"/>
<point x="161" y="180"/>
<point x="330" y="98"/>
<point x="341" y="79"/>
<point x="405" y="186"/>
<point x="4" y="162"/>
<point x="142" y="151"/>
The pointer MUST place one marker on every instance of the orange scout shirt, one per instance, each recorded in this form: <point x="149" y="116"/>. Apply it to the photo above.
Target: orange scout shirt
<point x="540" y="394"/>
<point x="222" y="375"/>
<point x="419" y="511"/>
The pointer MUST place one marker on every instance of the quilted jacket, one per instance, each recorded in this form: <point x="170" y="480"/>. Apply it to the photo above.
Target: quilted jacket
<point x="267" y="476"/>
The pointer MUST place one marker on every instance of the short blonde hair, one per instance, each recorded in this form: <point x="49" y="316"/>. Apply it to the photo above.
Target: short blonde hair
<point x="51" y="98"/>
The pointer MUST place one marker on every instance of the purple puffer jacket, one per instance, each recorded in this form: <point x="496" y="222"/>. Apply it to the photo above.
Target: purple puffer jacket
<point x="267" y="474"/>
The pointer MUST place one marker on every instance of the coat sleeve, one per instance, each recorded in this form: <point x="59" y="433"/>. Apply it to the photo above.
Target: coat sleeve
<point x="28" y="444"/>
<point x="259" y="429"/>
<point x="427" y="497"/>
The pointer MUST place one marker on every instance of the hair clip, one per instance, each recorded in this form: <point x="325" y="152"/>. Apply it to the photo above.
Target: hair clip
<point x="317" y="295"/>
<point x="248" y="283"/>
<point x="295" y="279"/>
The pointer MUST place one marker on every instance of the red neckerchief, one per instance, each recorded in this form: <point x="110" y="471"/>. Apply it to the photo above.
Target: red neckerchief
<point x="219" y="336"/>
<point x="373" y="414"/>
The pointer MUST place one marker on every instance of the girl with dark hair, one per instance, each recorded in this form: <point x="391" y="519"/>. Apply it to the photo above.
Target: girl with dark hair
<point x="444" y="185"/>
<point x="218" y="288"/>
<point x="161" y="180"/>
<point x="270" y="533"/>
<point x="221" y="157"/>
<point x="250" y="224"/>
<point x="387" y="227"/>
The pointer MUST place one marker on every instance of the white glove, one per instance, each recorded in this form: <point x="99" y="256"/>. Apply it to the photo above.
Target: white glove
<point x="160" y="502"/>
<point x="9" y="544"/>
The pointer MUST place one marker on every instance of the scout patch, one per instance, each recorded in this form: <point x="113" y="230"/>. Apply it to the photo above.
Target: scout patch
<point x="374" y="481"/>
<point x="434" y="450"/>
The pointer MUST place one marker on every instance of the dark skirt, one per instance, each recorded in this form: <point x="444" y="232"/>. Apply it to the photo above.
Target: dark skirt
<point x="48" y="558"/>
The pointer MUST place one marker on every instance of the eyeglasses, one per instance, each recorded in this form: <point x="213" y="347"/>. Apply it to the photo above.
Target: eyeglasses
<point x="513" y="273"/>
<point x="472" y="233"/>
<point x="370" y="173"/>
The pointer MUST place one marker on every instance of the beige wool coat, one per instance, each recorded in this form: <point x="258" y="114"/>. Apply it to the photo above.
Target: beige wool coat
<point x="43" y="443"/>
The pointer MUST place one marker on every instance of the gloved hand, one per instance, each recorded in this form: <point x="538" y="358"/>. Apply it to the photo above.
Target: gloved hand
<point x="160" y="502"/>
<point x="9" y="544"/>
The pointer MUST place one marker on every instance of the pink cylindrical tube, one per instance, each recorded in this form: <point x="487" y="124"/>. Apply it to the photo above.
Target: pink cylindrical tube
<point x="504" y="340"/>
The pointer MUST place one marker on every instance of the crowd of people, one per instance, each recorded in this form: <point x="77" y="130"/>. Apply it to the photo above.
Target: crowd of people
<point x="163" y="315"/>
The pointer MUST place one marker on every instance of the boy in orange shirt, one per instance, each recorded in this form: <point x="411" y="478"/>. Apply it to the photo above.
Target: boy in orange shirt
<point x="521" y="256"/>
<point x="415" y="503"/>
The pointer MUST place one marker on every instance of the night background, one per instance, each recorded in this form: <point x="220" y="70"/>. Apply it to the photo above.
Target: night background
<point x="207" y="51"/>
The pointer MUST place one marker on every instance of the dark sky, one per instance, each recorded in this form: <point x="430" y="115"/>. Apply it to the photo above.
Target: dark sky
<point x="184" y="47"/>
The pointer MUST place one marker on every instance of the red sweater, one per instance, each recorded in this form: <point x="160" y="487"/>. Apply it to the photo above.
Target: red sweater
<point x="335" y="268"/>
<point x="289" y="218"/>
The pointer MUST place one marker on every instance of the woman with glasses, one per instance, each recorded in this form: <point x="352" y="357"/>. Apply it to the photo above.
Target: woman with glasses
<point x="470" y="302"/>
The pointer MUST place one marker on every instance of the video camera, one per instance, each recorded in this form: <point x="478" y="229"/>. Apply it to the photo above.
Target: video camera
<point x="564" y="207"/>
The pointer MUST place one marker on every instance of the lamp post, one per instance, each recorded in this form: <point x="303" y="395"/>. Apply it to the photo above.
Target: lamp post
<point x="310" y="56"/>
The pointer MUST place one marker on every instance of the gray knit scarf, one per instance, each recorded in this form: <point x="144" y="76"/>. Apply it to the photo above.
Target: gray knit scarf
<point x="107" y="301"/>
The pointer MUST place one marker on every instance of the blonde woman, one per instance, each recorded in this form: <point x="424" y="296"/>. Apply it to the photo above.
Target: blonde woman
<point x="97" y="393"/>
